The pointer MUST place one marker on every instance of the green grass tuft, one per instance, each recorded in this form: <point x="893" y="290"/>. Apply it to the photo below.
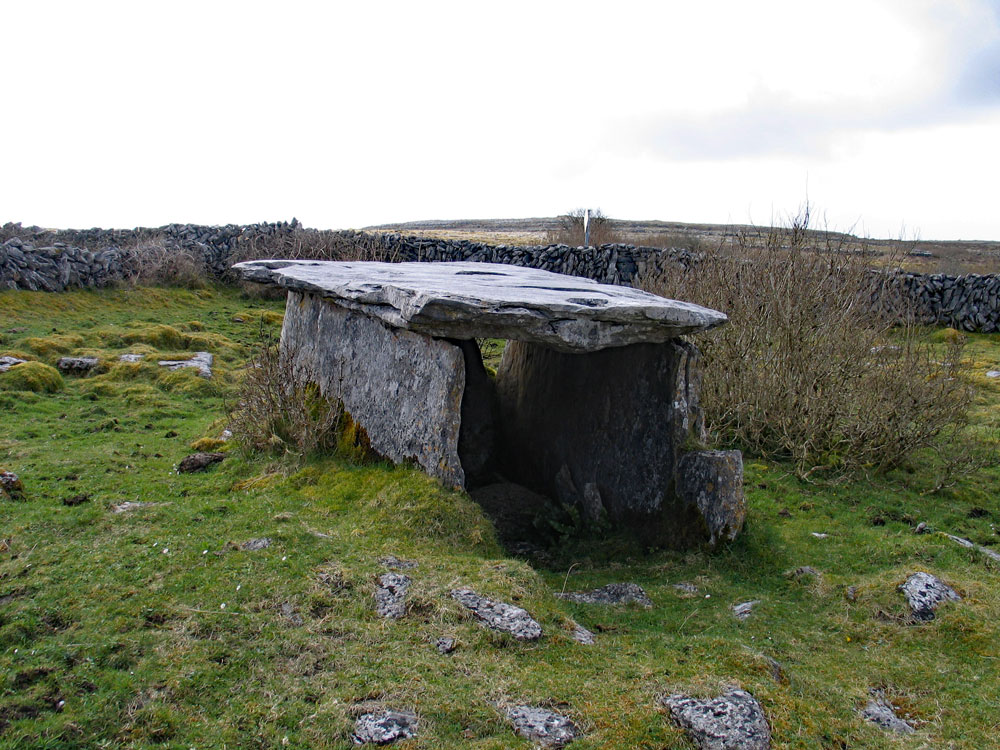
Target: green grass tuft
<point x="32" y="376"/>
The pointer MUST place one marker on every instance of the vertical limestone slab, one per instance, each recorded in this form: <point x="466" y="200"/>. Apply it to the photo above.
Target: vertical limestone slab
<point x="601" y="430"/>
<point x="405" y="389"/>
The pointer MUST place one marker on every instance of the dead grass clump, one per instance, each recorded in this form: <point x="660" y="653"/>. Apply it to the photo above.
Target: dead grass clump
<point x="810" y="367"/>
<point x="274" y="414"/>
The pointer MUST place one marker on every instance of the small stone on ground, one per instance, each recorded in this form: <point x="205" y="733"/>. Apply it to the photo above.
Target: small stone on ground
<point x="7" y="362"/>
<point x="199" y="462"/>
<point x="582" y="635"/>
<point x="11" y="486"/>
<point x="499" y="616"/>
<point x="384" y="727"/>
<point x="202" y="361"/>
<point x="131" y="357"/>
<point x="445" y="645"/>
<point x="881" y="713"/>
<point x="993" y="373"/>
<point x="613" y="593"/>
<point x="390" y="596"/>
<point x="925" y="592"/>
<point x="684" y="588"/>
<point x="77" y="364"/>
<point x="733" y="721"/>
<point x="252" y="545"/>
<point x="289" y="613"/>
<point x="540" y="725"/>
<point x="743" y="610"/>
<point x="992" y="554"/>
<point x="130" y="505"/>
<point x="394" y="563"/>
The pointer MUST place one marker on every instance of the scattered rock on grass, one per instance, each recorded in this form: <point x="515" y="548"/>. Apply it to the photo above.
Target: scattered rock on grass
<point x="390" y="596"/>
<point x="743" y="610"/>
<point x="921" y="528"/>
<point x="76" y="364"/>
<point x="130" y="505"/>
<point x="252" y="545"/>
<point x="394" y="563"/>
<point x="819" y="534"/>
<point x="384" y="727"/>
<point x="733" y="721"/>
<point x="199" y="462"/>
<point x="582" y="635"/>
<point x="925" y="592"/>
<point x="881" y="713"/>
<point x="992" y="554"/>
<point x="500" y="616"/>
<point x="684" y="588"/>
<point x="7" y="362"/>
<point x="445" y="645"/>
<point x="993" y="373"/>
<point x="11" y="485"/>
<point x="131" y="357"/>
<point x="542" y="726"/>
<point x="202" y="361"/>
<point x="613" y="593"/>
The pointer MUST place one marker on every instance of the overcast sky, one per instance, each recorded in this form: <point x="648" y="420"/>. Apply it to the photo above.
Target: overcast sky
<point x="885" y="114"/>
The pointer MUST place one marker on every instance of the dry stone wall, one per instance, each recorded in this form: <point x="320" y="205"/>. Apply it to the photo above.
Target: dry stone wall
<point x="38" y="259"/>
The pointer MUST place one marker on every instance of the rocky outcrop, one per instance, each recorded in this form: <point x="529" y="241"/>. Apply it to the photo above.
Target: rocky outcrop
<point x="384" y="727"/>
<point x="613" y="593"/>
<point x="543" y="727"/>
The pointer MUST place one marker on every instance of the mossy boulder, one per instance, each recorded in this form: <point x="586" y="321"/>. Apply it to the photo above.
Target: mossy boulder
<point x="32" y="376"/>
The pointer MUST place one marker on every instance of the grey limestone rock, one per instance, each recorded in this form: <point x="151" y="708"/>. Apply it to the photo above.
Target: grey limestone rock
<point x="992" y="554"/>
<point x="544" y="727"/>
<point x="390" y="595"/>
<point x="404" y="389"/>
<point x="445" y="645"/>
<point x="131" y="357"/>
<point x="499" y="616"/>
<point x="711" y="483"/>
<point x="732" y="721"/>
<point x="925" y="593"/>
<point x="743" y="610"/>
<point x="881" y="713"/>
<point x="201" y="361"/>
<point x="252" y="545"/>
<point x="384" y="727"/>
<point x="130" y="505"/>
<point x="394" y="563"/>
<point x="77" y="364"/>
<point x="685" y="588"/>
<point x="468" y="300"/>
<point x="7" y="362"/>
<point x="582" y="635"/>
<point x="11" y="485"/>
<point x="613" y="593"/>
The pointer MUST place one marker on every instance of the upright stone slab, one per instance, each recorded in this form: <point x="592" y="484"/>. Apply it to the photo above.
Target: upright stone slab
<point x="602" y="431"/>
<point x="405" y="389"/>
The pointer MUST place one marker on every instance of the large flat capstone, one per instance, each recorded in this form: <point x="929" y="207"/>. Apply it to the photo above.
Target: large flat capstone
<point x="489" y="300"/>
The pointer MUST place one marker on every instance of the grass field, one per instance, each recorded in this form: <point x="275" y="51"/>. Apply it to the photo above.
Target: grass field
<point x="153" y="628"/>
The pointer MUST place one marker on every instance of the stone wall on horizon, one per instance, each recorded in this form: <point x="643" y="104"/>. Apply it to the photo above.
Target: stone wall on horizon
<point x="47" y="260"/>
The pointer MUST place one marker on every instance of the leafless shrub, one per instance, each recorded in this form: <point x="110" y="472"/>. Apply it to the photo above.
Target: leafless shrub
<point x="570" y="231"/>
<point x="820" y="362"/>
<point x="155" y="262"/>
<point x="274" y="414"/>
<point x="298" y="243"/>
